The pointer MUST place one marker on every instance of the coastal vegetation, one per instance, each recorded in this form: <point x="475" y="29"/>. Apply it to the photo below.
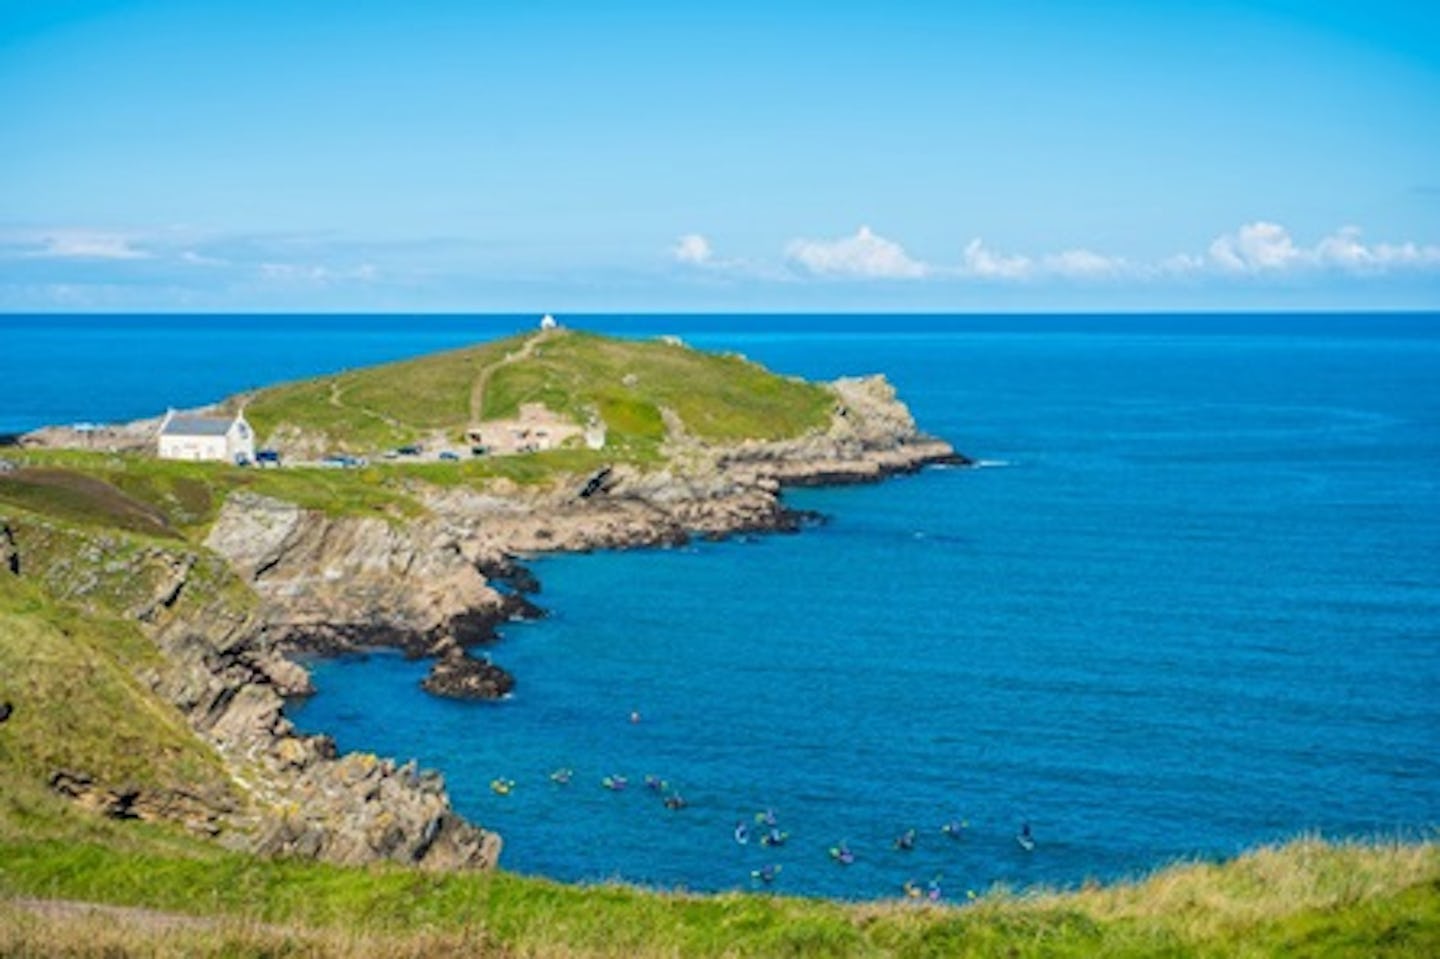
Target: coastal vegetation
<point x="643" y="392"/>
<point x="629" y="386"/>
<point x="1305" y="898"/>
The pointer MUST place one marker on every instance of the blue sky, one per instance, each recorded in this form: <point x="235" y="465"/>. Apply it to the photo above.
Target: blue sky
<point x="739" y="156"/>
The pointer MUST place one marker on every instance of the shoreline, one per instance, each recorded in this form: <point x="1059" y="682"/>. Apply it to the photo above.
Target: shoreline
<point x="273" y="578"/>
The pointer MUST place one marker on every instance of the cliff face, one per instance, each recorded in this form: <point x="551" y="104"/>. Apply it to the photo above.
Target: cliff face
<point x="342" y="582"/>
<point x="331" y="583"/>
<point x="226" y="677"/>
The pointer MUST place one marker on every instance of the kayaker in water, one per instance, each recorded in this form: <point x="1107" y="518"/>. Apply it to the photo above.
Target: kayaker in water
<point x="774" y="837"/>
<point x="765" y="874"/>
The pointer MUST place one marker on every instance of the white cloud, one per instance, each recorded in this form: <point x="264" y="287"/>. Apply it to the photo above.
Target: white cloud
<point x="866" y="254"/>
<point x="86" y="245"/>
<point x="1256" y="248"/>
<point x="983" y="263"/>
<point x="1263" y="247"/>
<point x="1344" y="249"/>
<point x="1084" y="265"/>
<point x="1181" y="263"/>
<point x="316" y="275"/>
<point x="694" y="249"/>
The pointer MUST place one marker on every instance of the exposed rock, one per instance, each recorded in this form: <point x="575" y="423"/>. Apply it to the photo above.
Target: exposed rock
<point x="9" y="554"/>
<point x="334" y="583"/>
<point x="135" y="436"/>
<point x="199" y="813"/>
<point x="458" y="675"/>
<point x="225" y="674"/>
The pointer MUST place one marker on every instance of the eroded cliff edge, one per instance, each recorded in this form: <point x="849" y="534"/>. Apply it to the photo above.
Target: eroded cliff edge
<point x="439" y="584"/>
<point x="272" y="578"/>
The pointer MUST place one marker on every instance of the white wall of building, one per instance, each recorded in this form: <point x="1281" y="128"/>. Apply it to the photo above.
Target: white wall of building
<point x="235" y="445"/>
<point x="193" y="448"/>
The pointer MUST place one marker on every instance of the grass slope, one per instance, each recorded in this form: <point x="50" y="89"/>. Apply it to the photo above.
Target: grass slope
<point x="1308" y="898"/>
<point x="626" y="383"/>
<point x="79" y="705"/>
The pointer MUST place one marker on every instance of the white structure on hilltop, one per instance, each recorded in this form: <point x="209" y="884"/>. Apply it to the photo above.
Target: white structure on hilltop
<point x="186" y="437"/>
<point x="547" y="322"/>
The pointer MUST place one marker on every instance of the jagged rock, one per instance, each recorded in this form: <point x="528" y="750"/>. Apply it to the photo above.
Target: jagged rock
<point x="202" y="814"/>
<point x="334" y="583"/>
<point x="458" y="675"/>
<point x="9" y="552"/>
<point x="223" y="671"/>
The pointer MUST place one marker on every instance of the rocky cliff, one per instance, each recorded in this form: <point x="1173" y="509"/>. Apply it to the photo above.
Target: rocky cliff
<point x="429" y="585"/>
<point x="225" y="675"/>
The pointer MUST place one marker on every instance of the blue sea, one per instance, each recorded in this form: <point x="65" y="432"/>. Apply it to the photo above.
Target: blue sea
<point x="1189" y="604"/>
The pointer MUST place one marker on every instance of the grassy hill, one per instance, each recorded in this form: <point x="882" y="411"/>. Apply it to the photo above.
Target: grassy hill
<point x="72" y="677"/>
<point x="1304" y="899"/>
<point x="626" y="384"/>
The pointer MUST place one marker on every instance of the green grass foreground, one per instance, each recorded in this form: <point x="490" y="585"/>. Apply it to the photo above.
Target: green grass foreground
<point x="1307" y="898"/>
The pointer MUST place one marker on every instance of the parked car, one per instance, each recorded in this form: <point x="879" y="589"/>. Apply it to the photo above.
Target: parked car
<point x="414" y="450"/>
<point x="267" y="457"/>
<point x="450" y="456"/>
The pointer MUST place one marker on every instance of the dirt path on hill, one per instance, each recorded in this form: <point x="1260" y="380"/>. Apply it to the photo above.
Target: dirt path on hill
<point x="482" y="379"/>
<point x="134" y="917"/>
<point x="337" y="400"/>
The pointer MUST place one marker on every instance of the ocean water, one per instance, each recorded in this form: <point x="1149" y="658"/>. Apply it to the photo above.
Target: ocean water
<point x="1191" y="604"/>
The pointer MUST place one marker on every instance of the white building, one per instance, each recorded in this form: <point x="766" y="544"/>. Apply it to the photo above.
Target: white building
<point x="185" y="437"/>
<point x="547" y="322"/>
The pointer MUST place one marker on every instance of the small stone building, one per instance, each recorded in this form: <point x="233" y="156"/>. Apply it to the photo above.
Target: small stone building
<point x="186" y="437"/>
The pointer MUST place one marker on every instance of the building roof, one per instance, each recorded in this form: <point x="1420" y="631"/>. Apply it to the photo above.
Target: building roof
<point x="196" y="426"/>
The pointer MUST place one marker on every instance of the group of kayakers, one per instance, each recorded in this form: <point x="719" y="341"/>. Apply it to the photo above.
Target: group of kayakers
<point x="765" y="828"/>
<point x="768" y="828"/>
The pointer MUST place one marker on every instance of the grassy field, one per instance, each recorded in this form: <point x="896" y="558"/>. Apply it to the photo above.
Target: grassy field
<point x="625" y="383"/>
<point x="168" y="498"/>
<point x="1307" y="898"/>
